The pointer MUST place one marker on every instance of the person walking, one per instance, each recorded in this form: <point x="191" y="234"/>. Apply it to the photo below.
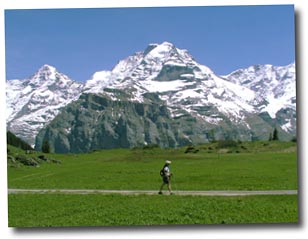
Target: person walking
<point x="166" y="174"/>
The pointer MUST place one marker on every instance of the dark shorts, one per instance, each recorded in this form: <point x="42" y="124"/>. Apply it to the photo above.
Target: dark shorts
<point x="166" y="179"/>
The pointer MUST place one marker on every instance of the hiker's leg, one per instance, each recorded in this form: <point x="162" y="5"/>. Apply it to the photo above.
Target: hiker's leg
<point x="169" y="187"/>
<point x="161" y="187"/>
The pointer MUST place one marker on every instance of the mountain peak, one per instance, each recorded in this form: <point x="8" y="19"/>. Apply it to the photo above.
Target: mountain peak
<point x="46" y="72"/>
<point x="47" y="67"/>
<point x="166" y="43"/>
<point x="163" y="47"/>
<point x="166" y="52"/>
<point x="34" y="102"/>
<point x="166" y="46"/>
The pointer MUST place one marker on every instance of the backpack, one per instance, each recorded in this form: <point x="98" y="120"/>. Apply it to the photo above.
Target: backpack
<point x="162" y="172"/>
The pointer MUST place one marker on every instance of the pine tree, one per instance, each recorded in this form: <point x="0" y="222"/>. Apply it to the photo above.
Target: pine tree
<point x="46" y="147"/>
<point x="275" y="134"/>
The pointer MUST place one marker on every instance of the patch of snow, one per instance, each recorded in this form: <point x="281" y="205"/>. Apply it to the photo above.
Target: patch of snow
<point x="287" y="126"/>
<point x="164" y="86"/>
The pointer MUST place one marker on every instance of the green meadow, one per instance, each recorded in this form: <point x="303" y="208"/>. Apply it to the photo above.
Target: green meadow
<point x="58" y="210"/>
<point x="245" y="166"/>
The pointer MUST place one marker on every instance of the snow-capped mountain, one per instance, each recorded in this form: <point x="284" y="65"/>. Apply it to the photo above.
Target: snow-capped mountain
<point x="32" y="103"/>
<point x="179" y="80"/>
<point x="246" y="104"/>
<point x="187" y="85"/>
<point x="275" y="84"/>
<point x="275" y="88"/>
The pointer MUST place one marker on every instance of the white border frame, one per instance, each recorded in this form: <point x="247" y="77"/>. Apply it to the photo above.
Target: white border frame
<point x="227" y="231"/>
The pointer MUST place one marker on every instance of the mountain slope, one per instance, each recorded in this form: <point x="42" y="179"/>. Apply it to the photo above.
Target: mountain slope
<point x="32" y="103"/>
<point x="11" y="139"/>
<point x="275" y="88"/>
<point x="96" y="121"/>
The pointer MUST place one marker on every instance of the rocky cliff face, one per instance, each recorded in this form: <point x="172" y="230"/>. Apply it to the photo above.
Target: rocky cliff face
<point x="99" y="122"/>
<point x="96" y="121"/>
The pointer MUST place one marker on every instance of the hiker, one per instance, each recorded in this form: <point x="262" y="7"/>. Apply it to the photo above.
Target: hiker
<point x="166" y="176"/>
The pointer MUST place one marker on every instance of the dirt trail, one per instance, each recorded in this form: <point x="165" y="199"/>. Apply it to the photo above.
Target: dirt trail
<point x="149" y="192"/>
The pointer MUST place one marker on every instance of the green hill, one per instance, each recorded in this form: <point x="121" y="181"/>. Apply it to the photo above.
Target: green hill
<point x="13" y="140"/>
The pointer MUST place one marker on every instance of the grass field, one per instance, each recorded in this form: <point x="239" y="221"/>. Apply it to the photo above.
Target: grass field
<point x="252" y="166"/>
<point x="58" y="210"/>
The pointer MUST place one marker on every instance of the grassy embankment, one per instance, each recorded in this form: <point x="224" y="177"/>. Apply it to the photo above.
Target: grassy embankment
<point x="246" y="166"/>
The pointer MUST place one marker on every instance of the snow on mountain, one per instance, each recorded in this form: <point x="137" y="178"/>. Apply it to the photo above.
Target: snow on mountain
<point x="185" y="86"/>
<point x="275" y="84"/>
<point x="32" y="103"/>
<point x="140" y="69"/>
<point x="177" y="78"/>
<point x="189" y="87"/>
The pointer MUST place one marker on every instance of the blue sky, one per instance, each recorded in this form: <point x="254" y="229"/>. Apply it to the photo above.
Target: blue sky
<point x="79" y="42"/>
